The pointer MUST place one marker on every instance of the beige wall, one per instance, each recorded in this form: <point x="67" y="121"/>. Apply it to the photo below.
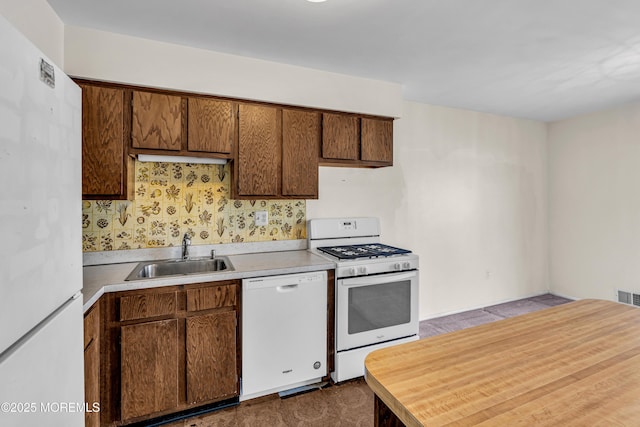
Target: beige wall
<point x="594" y="205"/>
<point x="39" y="23"/>
<point x="468" y="193"/>
<point x="113" y="57"/>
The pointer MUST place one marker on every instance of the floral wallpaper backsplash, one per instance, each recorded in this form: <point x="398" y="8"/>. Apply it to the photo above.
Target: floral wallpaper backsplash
<point x="172" y="199"/>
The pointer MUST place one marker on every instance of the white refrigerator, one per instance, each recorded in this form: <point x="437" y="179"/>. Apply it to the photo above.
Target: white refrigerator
<point x="41" y="336"/>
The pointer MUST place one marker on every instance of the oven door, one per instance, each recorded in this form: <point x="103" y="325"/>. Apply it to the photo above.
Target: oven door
<point x="374" y="309"/>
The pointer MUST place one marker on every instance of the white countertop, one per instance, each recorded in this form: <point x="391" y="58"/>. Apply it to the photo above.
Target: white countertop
<point x="99" y="279"/>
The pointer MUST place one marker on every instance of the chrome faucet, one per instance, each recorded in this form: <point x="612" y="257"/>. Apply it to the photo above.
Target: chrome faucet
<point x="186" y="242"/>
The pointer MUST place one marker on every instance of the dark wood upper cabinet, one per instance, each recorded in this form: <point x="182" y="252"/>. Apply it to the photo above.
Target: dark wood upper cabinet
<point x="278" y="151"/>
<point x="274" y="150"/>
<point x="356" y="141"/>
<point x="157" y="121"/>
<point x="210" y="125"/>
<point x="340" y="136"/>
<point x="105" y="164"/>
<point x="259" y="150"/>
<point x="301" y="134"/>
<point x="377" y="140"/>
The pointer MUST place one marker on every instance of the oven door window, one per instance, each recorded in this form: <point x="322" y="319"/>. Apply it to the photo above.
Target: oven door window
<point x="379" y="306"/>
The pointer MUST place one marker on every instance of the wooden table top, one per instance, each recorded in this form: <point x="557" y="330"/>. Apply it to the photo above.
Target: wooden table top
<point x="574" y="364"/>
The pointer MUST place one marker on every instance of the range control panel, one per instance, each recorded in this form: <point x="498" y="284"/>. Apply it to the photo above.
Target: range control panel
<point x="366" y="267"/>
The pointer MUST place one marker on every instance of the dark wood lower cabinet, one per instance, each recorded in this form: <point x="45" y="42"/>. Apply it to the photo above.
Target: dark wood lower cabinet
<point x="149" y="368"/>
<point x="211" y="357"/>
<point x="92" y="366"/>
<point x="179" y="355"/>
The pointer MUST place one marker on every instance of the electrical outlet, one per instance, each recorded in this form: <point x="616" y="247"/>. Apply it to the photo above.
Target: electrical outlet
<point x="261" y="218"/>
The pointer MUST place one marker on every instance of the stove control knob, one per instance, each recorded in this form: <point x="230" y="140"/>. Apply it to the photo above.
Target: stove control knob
<point x="352" y="271"/>
<point x="397" y="266"/>
<point x="362" y="270"/>
<point x="406" y="265"/>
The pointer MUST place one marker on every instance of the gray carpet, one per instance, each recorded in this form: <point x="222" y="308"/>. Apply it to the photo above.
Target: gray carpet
<point x="467" y="319"/>
<point x="351" y="403"/>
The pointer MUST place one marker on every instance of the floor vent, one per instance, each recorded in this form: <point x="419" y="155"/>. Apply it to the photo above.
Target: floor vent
<point x="629" y="298"/>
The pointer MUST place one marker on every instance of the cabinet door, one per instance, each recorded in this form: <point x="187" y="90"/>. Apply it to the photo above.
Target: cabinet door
<point x="103" y="142"/>
<point x="211" y="357"/>
<point x="210" y="125"/>
<point x="259" y="150"/>
<point x="157" y="121"/>
<point x="92" y="366"/>
<point x="149" y="358"/>
<point x="92" y="383"/>
<point x="340" y="136"/>
<point x="300" y="152"/>
<point x="377" y="140"/>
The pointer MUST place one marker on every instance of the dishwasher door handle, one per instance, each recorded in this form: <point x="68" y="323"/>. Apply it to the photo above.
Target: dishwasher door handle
<point x="287" y="288"/>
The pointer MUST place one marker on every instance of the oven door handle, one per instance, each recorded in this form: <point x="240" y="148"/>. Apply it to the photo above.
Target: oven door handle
<point x="377" y="280"/>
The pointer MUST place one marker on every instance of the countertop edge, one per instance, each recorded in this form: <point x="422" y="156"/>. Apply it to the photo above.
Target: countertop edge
<point x="88" y="303"/>
<point x="93" y="291"/>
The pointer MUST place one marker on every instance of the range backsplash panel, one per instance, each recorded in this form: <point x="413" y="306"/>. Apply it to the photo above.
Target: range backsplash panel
<point x="172" y="199"/>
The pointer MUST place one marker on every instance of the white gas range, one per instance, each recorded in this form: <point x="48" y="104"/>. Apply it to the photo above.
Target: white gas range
<point x="376" y="289"/>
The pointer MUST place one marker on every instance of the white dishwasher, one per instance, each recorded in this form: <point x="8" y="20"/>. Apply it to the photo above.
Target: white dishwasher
<point x="284" y="332"/>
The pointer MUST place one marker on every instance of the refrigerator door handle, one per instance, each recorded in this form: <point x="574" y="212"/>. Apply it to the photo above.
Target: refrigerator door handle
<point x="26" y="337"/>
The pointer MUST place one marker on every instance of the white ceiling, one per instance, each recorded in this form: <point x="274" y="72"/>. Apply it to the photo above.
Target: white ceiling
<point x="536" y="59"/>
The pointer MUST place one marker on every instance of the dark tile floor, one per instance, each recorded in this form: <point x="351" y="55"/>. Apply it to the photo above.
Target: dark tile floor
<point x="467" y="319"/>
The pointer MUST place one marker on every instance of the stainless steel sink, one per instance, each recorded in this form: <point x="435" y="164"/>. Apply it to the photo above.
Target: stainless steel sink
<point x="155" y="269"/>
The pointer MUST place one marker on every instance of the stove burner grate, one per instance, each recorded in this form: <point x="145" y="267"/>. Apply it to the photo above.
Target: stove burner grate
<point x="369" y="250"/>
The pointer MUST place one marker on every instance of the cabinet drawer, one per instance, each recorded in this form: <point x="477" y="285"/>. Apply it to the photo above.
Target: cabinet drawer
<point x="143" y="306"/>
<point x="211" y="297"/>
